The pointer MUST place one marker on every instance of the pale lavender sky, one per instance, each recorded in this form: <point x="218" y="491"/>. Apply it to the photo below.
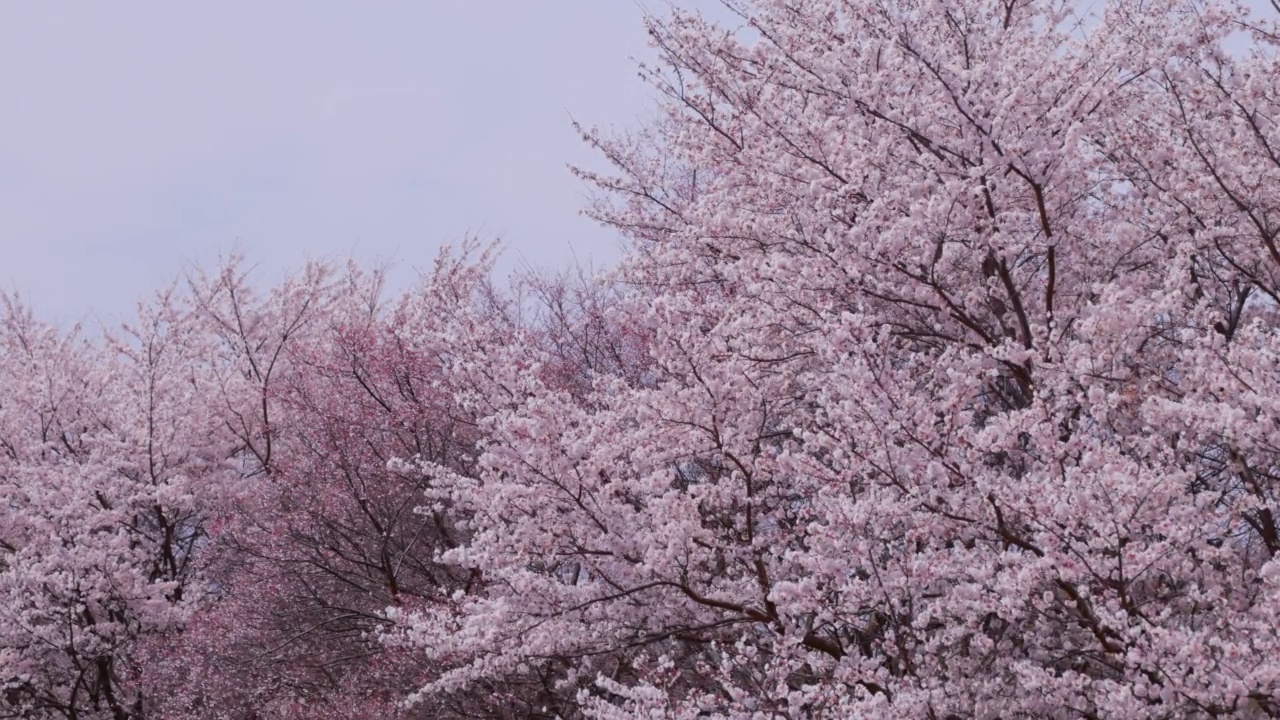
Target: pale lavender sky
<point x="138" y="137"/>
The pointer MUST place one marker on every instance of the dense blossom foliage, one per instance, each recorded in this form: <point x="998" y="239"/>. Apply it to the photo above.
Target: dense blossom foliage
<point x="108" y="460"/>
<point x="961" y="394"/>
<point x="941" y="380"/>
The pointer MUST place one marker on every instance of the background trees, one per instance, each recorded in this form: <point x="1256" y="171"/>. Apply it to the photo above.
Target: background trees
<point x="327" y="536"/>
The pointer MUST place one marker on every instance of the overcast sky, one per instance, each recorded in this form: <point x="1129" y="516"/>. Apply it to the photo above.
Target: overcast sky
<point x="137" y="137"/>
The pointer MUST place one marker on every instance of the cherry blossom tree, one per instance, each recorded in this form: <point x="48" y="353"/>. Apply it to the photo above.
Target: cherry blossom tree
<point x="959" y="396"/>
<point x="109" y="465"/>
<point x="124" y="454"/>
<point x="326" y="537"/>
<point x="328" y="533"/>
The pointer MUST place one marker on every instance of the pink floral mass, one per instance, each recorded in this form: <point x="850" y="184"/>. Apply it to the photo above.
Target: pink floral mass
<point x="940" y="379"/>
